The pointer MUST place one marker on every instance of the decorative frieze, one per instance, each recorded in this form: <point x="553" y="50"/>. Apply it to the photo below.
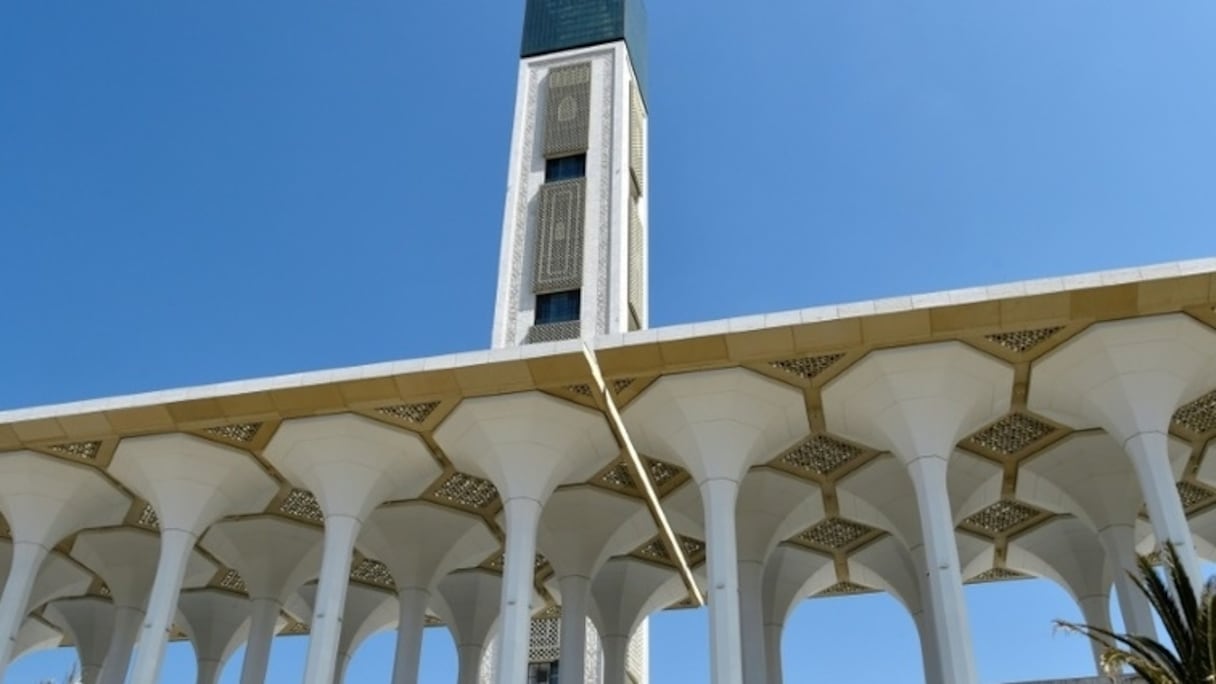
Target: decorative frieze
<point x="147" y="518"/>
<point x="845" y="589"/>
<point x="618" y="476"/>
<point x="232" y="581"/>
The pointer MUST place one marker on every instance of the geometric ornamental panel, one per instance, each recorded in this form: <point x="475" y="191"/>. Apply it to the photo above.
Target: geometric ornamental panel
<point x="807" y="367"/>
<point x="409" y="413"/>
<point x="561" y="216"/>
<point x="243" y="433"/>
<point x="568" y="110"/>
<point x="546" y="640"/>
<point x="467" y="491"/>
<point x="1002" y="515"/>
<point x="302" y="505"/>
<point x="845" y="589"/>
<point x="147" y="518"/>
<point x="1011" y="434"/>
<point x="374" y="573"/>
<point x="834" y="533"/>
<point x="1199" y="416"/>
<point x="997" y="575"/>
<point x="660" y="474"/>
<point x="656" y="551"/>
<point x="232" y="581"/>
<point x="1193" y="495"/>
<point x="553" y="332"/>
<point x="820" y="455"/>
<point x="1023" y="341"/>
<point x="83" y="450"/>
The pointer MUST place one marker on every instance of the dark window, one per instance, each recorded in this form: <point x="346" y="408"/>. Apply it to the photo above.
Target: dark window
<point x="558" y="307"/>
<point x="542" y="673"/>
<point x="565" y="168"/>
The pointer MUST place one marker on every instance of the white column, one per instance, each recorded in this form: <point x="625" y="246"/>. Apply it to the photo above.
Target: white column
<point x="616" y="658"/>
<point x="751" y="612"/>
<point x="1117" y="541"/>
<point x="1149" y="452"/>
<point x="412" y="604"/>
<point x="340" y="534"/>
<point x="126" y="630"/>
<point x="469" y="659"/>
<point x="340" y="666"/>
<point x="175" y="548"/>
<point x="208" y="671"/>
<point x="261" y="636"/>
<point x="1095" y="610"/>
<point x="522" y="516"/>
<point x="726" y="649"/>
<point x="772" y="652"/>
<point x="27" y="559"/>
<point x="928" y="647"/>
<point x="576" y="592"/>
<point x="952" y="636"/>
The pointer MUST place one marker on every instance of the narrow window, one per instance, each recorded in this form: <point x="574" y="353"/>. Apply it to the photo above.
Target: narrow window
<point x="565" y="168"/>
<point x="558" y="307"/>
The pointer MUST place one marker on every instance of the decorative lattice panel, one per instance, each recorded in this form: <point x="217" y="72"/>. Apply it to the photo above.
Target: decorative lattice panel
<point x="466" y="491"/>
<point x="546" y="642"/>
<point x="656" y="551"/>
<point x="553" y="332"/>
<point x="294" y="628"/>
<point x="86" y="451"/>
<point x="622" y="384"/>
<point x="820" y="455"/>
<point x="232" y="581"/>
<point x="372" y="572"/>
<point x="583" y="390"/>
<point x="807" y="367"/>
<point x="1022" y="341"/>
<point x="845" y="589"/>
<point x="1199" y="416"/>
<point x="637" y="265"/>
<point x="1194" y="495"/>
<point x="568" y="110"/>
<point x="242" y="433"/>
<point x="560" y="223"/>
<point x="835" y="533"/>
<point x="1012" y="434"/>
<point x="1003" y="516"/>
<point x="998" y="575"/>
<point x="148" y="518"/>
<point x="410" y="413"/>
<point x="302" y="505"/>
<point x="637" y="140"/>
<point x="618" y="476"/>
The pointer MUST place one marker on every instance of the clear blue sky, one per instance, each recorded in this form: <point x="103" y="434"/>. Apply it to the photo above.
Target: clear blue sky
<point x="194" y="192"/>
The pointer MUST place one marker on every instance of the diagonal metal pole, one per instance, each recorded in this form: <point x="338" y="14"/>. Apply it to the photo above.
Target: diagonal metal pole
<point x="641" y="475"/>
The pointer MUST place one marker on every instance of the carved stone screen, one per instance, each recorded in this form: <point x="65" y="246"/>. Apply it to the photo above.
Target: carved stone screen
<point x="568" y="110"/>
<point x="559" y="236"/>
<point x="637" y="141"/>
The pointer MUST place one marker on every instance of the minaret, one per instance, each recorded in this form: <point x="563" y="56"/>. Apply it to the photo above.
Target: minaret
<point x="573" y="261"/>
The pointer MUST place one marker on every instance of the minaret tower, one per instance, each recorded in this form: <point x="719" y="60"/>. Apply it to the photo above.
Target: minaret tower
<point x="573" y="262"/>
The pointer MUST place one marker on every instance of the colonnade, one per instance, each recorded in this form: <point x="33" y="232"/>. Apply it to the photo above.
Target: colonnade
<point x="1118" y="384"/>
